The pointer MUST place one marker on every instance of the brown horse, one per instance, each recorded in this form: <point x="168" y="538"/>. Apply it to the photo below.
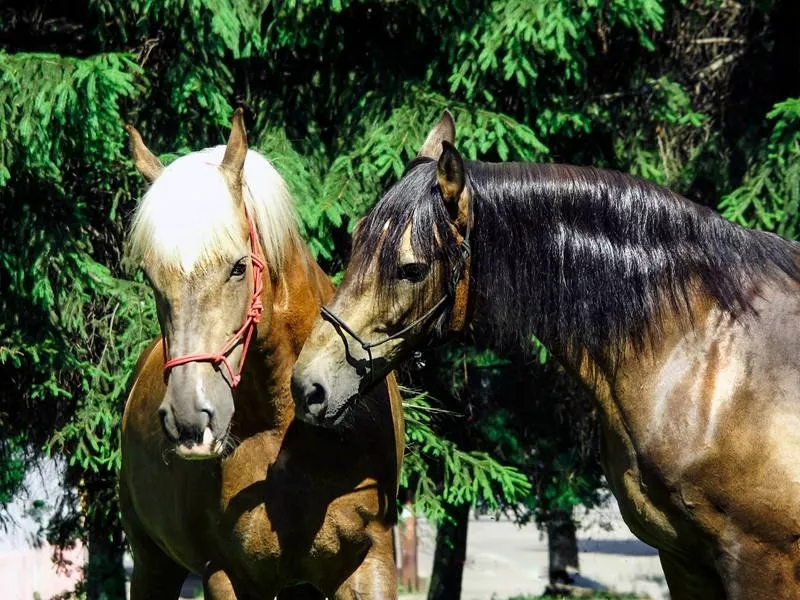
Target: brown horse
<point x="685" y="327"/>
<point x="217" y="476"/>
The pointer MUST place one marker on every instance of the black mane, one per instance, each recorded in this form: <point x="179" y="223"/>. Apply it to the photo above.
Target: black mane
<point x="582" y="258"/>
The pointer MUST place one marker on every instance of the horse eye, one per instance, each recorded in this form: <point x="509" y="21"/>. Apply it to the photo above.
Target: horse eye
<point x="413" y="272"/>
<point x="238" y="269"/>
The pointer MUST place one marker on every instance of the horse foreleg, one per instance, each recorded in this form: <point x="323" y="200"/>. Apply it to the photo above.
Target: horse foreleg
<point x="754" y="570"/>
<point x="217" y="585"/>
<point x="689" y="581"/>
<point x="376" y="576"/>
<point x="155" y="576"/>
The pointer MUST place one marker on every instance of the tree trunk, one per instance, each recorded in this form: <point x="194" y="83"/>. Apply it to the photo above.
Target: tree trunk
<point x="409" y="578"/>
<point x="105" y="574"/>
<point x="451" y="552"/>
<point x="562" y="545"/>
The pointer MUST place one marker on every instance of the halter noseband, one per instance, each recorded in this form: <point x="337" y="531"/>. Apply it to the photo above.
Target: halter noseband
<point x="247" y="328"/>
<point x="456" y="275"/>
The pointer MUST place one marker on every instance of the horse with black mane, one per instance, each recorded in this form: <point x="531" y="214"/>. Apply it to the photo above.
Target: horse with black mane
<point x="217" y="477"/>
<point x="684" y="326"/>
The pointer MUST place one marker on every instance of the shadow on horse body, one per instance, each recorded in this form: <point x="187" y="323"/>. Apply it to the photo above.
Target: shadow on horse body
<point x="684" y="326"/>
<point x="217" y="477"/>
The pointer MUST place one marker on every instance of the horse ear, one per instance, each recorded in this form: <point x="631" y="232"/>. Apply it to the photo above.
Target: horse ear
<point x="450" y="174"/>
<point x="443" y="131"/>
<point x="146" y="162"/>
<point x="359" y="224"/>
<point x="236" y="149"/>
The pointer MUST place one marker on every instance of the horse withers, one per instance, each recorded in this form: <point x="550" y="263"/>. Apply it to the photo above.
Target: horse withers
<point x="217" y="477"/>
<point x="684" y="326"/>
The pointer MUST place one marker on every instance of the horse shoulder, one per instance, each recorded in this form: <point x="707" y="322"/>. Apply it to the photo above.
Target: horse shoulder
<point x="146" y="376"/>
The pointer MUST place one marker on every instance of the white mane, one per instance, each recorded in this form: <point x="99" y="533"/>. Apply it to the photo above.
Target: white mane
<point x="187" y="219"/>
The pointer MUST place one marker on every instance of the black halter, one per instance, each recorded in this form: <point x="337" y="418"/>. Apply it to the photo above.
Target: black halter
<point x="455" y="277"/>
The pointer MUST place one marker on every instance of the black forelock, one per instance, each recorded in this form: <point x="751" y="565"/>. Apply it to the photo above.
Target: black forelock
<point x="582" y="258"/>
<point x="414" y="200"/>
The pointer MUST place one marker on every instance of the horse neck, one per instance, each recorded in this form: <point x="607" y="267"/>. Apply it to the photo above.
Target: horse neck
<point x="595" y="263"/>
<point x="292" y="298"/>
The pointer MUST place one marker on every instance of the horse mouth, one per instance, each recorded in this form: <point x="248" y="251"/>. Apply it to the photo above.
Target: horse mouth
<point x="206" y="449"/>
<point x="340" y="418"/>
<point x="344" y="414"/>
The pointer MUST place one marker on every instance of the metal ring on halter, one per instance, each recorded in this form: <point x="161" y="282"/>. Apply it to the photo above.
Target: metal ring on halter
<point x="455" y="277"/>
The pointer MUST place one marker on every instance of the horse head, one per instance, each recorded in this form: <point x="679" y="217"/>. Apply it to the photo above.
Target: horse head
<point x="198" y="235"/>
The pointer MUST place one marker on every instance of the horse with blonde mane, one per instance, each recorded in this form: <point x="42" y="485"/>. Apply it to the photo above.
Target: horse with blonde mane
<point x="217" y="476"/>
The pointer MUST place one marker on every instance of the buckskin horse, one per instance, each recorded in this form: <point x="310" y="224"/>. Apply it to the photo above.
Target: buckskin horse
<point x="217" y="477"/>
<point x="684" y="326"/>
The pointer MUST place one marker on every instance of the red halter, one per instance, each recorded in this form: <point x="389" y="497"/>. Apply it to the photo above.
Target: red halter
<point x="245" y="331"/>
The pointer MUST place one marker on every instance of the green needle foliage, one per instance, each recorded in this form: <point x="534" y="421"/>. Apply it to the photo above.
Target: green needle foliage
<point x="465" y="477"/>
<point x="770" y="194"/>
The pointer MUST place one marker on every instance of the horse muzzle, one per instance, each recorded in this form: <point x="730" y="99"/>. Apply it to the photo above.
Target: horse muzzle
<point x="207" y="448"/>
<point x="318" y="403"/>
<point x="193" y="431"/>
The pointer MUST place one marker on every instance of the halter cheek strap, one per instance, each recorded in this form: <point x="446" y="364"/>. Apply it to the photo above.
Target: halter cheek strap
<point x="460" y="294"/>
<point x="245" y="332"/>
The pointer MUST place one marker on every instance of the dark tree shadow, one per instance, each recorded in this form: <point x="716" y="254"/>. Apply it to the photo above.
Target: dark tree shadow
<point x="629" y="547"/>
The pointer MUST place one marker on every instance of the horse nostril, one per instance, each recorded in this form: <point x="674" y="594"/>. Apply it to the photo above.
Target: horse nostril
<point x="207" y="415"/>
<point x="316" y="400"/>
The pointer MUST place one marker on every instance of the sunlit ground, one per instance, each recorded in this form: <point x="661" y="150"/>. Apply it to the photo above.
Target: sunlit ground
<point x="506" y="561"/>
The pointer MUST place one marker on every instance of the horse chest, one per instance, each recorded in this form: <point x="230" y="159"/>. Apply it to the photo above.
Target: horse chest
<point x="292" y="512"/>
